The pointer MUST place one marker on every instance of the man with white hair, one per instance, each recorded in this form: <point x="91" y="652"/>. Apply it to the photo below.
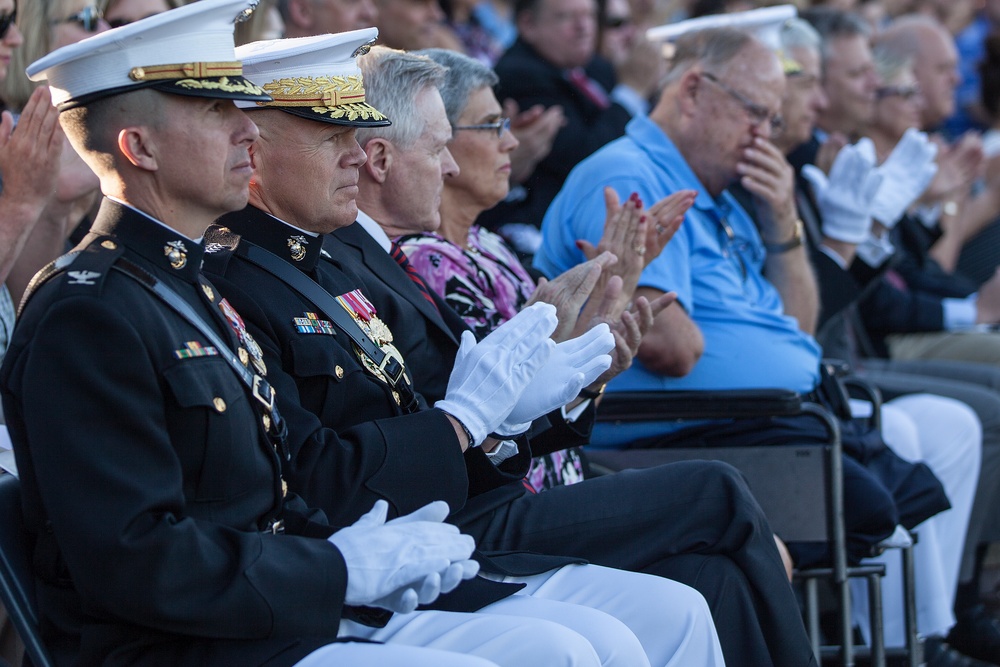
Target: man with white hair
<point x="164" y="532"/>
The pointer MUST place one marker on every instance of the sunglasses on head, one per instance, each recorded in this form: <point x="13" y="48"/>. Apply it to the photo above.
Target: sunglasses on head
<point x="87" y="18"/>
<point x="6" y="21"/>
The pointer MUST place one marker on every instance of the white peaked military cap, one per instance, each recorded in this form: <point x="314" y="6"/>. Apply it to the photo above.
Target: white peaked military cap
<point x="187" y="51"/>
<point x="765" y="24"/>
<point x="314" y="77"/>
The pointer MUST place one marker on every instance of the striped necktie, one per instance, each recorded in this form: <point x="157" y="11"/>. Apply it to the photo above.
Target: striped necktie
<point x="401" y="259"/>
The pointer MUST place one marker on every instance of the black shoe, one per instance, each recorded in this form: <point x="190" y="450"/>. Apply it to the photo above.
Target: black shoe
<point x="939" y="653"/>
<point x="977" y="634"/>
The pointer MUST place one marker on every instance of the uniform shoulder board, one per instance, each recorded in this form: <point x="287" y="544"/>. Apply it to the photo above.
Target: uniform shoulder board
<point x="82" y="270"/>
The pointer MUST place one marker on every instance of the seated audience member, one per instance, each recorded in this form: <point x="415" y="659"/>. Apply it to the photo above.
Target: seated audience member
<point x="554" y="63"/>
<point x="736" y="329"/>
<point x="401" y="192"/>
<point x="47" y="25"/>
<point x="201" y="556"/>
<point x="414" y="24"/>
<point x="396" y="451"/>
<point x="304" y="18"/>
<point x="833" y="229"/>
<point x="474" y="270"/>
<point x="464" y="19"/>
<point x="122" y="12"/>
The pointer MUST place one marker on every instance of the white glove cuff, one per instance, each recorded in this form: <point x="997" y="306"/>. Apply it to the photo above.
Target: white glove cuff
<point x="473" y="427"/>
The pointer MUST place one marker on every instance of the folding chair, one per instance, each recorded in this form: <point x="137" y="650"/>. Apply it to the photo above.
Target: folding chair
<point x="16" y="580"/>
<point x="800" y="488"/>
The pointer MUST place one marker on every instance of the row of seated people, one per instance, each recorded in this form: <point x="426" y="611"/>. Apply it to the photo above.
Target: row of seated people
<point x="198" y="411"/>
<point x="732" y="327"/>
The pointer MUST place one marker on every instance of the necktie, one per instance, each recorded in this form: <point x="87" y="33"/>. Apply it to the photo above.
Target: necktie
<point x="590" y="88"/>
<point x="401" y="259"/>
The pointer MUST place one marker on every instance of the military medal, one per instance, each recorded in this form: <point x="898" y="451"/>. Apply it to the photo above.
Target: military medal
<point x="363" y="313"/>
<point x="310" y="323"/>
<point x="194" y="349"/>
<point x="246" y="340"/>
<point x="297" y="247"/>
<point x="176" y="253"/>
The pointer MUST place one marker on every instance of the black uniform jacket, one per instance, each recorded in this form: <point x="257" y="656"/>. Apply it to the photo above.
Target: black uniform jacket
<point x="146" y="475"/>
<point x="351" y="442"/>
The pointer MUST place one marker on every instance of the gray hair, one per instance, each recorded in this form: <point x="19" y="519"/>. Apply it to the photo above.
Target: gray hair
<point x="712" y="48"/>
<point x="903" y="37"/>
<point x="465" y="76"/>
<point x="889" y="63"/>
<point x="393" y="79"/>
<point x="835" y="24"/>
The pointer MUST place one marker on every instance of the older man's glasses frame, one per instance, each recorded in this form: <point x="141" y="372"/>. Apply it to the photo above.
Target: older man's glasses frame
<point x="499" y="126"/>
<point x="758" y="114"/>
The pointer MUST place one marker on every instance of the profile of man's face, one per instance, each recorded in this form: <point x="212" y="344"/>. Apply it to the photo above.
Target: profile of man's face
<point x="564" y="32"/>
<point x="850" y="82"/>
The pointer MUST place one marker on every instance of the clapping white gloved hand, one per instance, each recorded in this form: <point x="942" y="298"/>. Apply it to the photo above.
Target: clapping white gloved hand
<point x="490" y="376"/>
<point x="410" y="560"/>
<point x="906" y="174"/>
<point x="845" y="197"/>
<point x="573" y="365"/>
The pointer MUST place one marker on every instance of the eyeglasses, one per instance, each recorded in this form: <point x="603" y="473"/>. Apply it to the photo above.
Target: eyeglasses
<point x="88" y="18"/>
<point x="500" y="126"/>
<point x="6" y="21"/>
<point x="117" y="23"/>
<point x="613" y="22"/>
<point x="905" y="92"/>
<point x="758" y="114"/>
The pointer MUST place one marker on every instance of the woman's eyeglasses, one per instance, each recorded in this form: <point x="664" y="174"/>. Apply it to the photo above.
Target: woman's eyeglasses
<point x="6" y="21"/>
<point x="500" y="126"/>
<point x="87" y="18"/>
<point x="907" y="93"/>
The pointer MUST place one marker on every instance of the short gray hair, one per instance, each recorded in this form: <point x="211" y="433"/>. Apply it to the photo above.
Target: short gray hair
<point x="712" y="48"/>
<point x="465" y="76"/>
<point x="833" y="24"/>
<point x="393" y="79"/>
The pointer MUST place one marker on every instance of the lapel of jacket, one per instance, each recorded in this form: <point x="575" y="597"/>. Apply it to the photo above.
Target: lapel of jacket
<point x="384" y="268"/>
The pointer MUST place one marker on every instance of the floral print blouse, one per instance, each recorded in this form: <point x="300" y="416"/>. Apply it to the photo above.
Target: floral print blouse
<point x="486" y="285"/>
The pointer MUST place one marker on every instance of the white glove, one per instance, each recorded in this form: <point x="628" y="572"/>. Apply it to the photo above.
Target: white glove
<point x="573" y="365"/>
<point x="406" y="561"/>
<point x="490" y="376"/>
<point x="845" y="197"/>
<point x="906" y="174"/>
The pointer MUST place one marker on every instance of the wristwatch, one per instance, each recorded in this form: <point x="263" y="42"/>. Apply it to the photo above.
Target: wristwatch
<point x="790" y="244"/>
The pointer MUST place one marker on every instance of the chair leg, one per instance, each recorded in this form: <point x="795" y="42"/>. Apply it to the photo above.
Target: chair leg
<point x="846" y="628"/>
<point x="914" y="648"/>
<point x="877" y="648"/>
<point x="812" y="616"/>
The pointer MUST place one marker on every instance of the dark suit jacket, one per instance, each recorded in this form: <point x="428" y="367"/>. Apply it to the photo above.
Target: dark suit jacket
<point x="146" y="475"/>
<point x="428" y="337"/>
<point x="529" y="79"/>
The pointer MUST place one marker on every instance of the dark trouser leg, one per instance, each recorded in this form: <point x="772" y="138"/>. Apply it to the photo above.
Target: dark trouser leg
<point x="640" y="520"/>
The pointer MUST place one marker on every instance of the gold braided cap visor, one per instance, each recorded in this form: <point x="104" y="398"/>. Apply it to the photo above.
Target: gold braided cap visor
<point x="330" y="99"/>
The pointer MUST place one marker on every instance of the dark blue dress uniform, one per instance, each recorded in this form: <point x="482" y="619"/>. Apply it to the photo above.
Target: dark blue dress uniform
<point x="160" y="485"/>
<point x="352" y="437"/>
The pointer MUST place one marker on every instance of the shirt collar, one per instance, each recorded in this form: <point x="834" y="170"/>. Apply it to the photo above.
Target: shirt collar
<point x="374" y="230"/>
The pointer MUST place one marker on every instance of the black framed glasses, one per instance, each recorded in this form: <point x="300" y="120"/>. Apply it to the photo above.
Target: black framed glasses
<point x="758" y="113"/>
<point x="88" y="18"/>
<point x="907" y="93"/>
<point x="500" y="126"/>
<point x="6" y="21"/>
<point x="614" y="22"/>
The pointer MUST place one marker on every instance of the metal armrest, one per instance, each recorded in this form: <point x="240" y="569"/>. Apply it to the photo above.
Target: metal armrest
<point x="634" y="406"/>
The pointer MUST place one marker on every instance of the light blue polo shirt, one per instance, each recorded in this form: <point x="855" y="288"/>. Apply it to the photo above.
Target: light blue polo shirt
<point x="749" y="342"/>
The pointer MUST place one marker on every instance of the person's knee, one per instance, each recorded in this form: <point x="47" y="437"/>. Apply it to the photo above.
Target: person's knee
<point x="549" y="643"/>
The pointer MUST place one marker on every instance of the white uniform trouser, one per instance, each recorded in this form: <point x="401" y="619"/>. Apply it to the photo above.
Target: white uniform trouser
<point x="577" y="615"/>
<point x="379" y="655"/>
<point x="946" y="435"/>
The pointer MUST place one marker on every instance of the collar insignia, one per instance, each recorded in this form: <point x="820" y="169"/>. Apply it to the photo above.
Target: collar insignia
<point x="176" y="253"/>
